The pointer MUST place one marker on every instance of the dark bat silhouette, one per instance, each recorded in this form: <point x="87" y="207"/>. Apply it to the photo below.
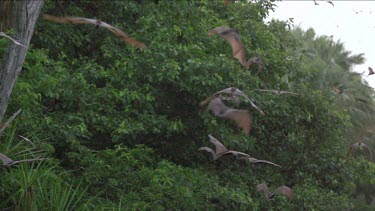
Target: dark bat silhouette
<point x="98" y="23"/>
<point x="233" y="37"/>
<point x="241" y="117"/>
<point x="220" y="149"/>
<point x="254" y="160"/>
<point x="233" y="91"/>
<point x="360" y="145"/>
<point x="281" y="190"/>
<point x="330" y="2"/>
<point x="9" y="162"/>
<point x="13" y="40"/>
<point x="278" y="92"/>
<point x="370" y="71"/>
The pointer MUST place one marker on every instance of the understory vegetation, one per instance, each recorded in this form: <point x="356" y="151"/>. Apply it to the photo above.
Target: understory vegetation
<point x="121" y="126"/>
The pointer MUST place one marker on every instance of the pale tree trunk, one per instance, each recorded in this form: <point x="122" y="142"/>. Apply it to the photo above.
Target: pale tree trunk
<point x="25" y="13"/>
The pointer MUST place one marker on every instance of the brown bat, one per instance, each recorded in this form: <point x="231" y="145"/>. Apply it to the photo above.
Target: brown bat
<point x="278" y="92"/>
<point x="337" y="90"/>
<point x="13" y="40"/>
<point x="360" y="145"/>
<point x="255" y="60"/>
<point x="233" y="91"/>
<point x="287" y="191"/>
<point x="238" y="49"/>
<point x="254" y="160"/>
<point x="226" y="2"/>
<point x="371" y="72"/>
<point x="98" y="23"/>
<point x="241" y="117"/>
<point x="9" y="162"/>
<point x="233" y="37"/>
<point x="220" y="149"/>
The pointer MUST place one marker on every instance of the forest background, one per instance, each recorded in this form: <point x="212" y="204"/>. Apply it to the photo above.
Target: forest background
<point x="121" y="126"/>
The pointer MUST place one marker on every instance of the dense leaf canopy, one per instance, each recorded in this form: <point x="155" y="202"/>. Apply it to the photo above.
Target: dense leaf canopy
<point x="123" y="125"/>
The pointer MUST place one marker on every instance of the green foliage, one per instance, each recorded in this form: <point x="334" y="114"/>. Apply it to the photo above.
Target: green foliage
<point x="126" y="121"/>
<point x="34" y="185"/>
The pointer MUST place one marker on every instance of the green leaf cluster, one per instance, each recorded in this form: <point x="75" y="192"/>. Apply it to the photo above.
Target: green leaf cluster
<point x="125" y="123"/>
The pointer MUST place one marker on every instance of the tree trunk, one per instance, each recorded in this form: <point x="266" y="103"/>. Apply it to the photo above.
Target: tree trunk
<point x="25" y="14"/>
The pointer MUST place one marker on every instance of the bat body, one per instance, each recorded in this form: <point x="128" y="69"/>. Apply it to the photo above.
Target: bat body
<point x="255" y="60"/>
<point x="337" y="90"/>
<point x="278" y="92"/>
<point x="232" y="36"/>
<point x="232" y="91"/>
<point x="234" y="39"/>
<point x="254" y="160"/>
<point x="13" y="40"/>
<point x="241" y="117"/>
<point x="9" y="162"/>
<point x="360" y="145"/>
<point x="285" y="190"/>
<point x="97" y="23"/>
<point x="220" y="149"/>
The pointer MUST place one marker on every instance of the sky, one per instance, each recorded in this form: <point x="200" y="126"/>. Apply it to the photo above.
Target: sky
<point x="351" y="22"/>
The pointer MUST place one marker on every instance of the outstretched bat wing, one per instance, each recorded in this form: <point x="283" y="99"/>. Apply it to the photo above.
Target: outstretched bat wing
<point x="210" y="151"/>
<point x="254" y="160"/>
<point x="78" y="20"/>
<point x="72" y="20"/>
<point x="233" y="38"/>
<point x="237" y="153"/>
<point x="241" y="117"/>
<point x="330" y="2"/>
<point x="5" y="159"/>
<point x="263" y="187"/>
<point x="13" y="40"/>
<point x="123" y="35"/>
<point x="219" y="147"/>
<point x="236" y="91"/>
<point x="283" y="190"/>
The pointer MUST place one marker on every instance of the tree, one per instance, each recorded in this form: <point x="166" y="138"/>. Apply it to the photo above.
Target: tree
<point x="26" y="13"/>
<point x="128" y="123"/>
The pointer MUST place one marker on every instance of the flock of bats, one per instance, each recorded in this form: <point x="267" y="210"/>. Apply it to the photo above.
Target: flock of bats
<point x="215" y="103"/>
<point x="330" y="2"/>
